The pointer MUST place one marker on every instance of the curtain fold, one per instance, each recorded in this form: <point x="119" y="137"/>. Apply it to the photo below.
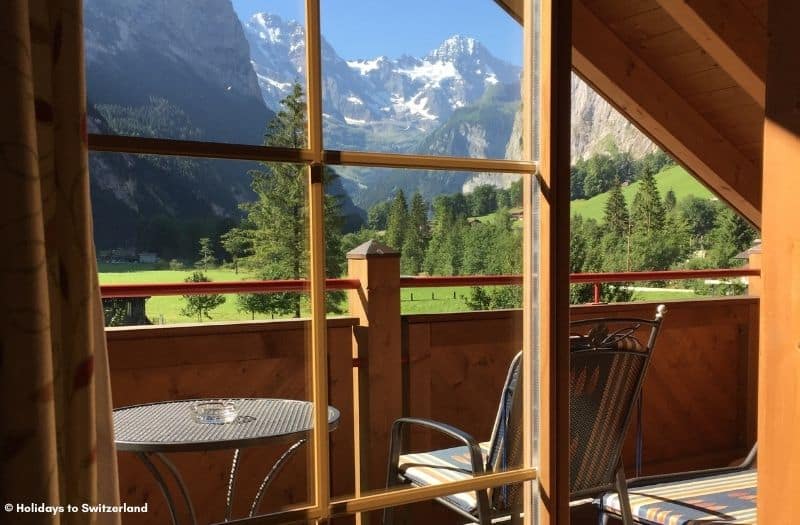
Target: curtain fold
<point x="56" y="436"/>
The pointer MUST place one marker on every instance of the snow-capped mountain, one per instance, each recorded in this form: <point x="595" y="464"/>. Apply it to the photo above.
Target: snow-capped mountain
<point x="381" y="103"/>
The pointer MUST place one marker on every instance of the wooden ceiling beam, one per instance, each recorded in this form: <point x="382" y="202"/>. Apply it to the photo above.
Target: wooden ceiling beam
<point x="512" y="7"/>
<point x="626" y="81"/>
<point x="730" y="34"/>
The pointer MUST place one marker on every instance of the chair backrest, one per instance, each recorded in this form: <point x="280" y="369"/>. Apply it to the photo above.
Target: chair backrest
<point x="608" y="363"/>
<point x="505" y="445"/>
<point x="607" y="369"/>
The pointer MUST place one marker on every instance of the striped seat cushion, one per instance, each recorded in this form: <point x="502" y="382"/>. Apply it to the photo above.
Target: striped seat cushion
<point x="717" y="499"/>
<point x="440" y="466"/>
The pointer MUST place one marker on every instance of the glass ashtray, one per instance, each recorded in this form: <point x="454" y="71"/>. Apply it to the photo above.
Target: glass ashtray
<point x="214" y="412"/>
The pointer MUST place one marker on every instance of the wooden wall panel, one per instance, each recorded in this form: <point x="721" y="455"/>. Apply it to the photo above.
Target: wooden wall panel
<point x="458" y="370"/>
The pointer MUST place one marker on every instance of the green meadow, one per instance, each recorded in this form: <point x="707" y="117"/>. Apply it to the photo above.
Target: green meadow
<point x="673" y="178"/>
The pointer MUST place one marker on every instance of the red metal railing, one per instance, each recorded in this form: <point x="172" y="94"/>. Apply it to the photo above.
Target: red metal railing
<point x="110" y="291"/>
<point x="660" y="275"/>
<point x="597" y="279"/>
<point x="459" y="280"/>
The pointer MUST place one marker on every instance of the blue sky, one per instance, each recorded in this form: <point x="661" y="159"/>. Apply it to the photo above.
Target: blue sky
<point x="369" y="28"/>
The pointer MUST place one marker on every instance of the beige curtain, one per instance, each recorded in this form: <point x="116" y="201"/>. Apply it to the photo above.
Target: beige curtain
<point x="56" y="438"/>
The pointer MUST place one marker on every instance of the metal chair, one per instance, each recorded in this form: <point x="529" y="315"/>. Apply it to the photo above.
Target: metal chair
<point x="607" y="368"/>
<point x="718" y="495"/>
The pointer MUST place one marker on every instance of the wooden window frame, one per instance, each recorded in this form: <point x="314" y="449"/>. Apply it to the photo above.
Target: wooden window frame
<point x="545" y="277"/>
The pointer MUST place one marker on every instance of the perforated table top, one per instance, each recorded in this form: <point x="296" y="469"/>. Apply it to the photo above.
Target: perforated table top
<point x="171" y="426"/>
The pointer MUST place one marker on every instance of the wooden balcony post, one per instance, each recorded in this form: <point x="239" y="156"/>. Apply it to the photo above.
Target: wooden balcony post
<point x="779" y="356"/>
<point x="754" y="285"/>
<point x="377" y="371"/>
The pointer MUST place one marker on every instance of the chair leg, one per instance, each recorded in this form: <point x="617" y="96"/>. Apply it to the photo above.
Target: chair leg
<point x="483" y="507"/>
<point x="388" y="516"/>
<point x="622" y="493"/>
<point x="392" y="470"/>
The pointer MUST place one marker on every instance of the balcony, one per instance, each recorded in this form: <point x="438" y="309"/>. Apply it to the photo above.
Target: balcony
<point x="699" y="396"/>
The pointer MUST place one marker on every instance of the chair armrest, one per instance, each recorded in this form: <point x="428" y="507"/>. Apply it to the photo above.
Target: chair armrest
<point x="443" y="428"/>
<point x="395" y="443"/>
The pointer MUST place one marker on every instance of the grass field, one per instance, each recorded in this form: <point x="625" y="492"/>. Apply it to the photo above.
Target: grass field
<point x="430" y="300"/>
<point x="166" y="309"/>
<point x="662" y="295"/>
<point x="674" y="178"/>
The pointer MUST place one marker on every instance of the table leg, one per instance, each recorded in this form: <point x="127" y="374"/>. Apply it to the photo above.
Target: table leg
<point x="177" y="477"/>
<point x="143" y="456"/>
<point x="232" y="484"/>
<point x="272" y="473"/>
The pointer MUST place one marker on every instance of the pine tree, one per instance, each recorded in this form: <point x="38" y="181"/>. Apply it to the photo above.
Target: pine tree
<point x="238" y="243"/>
<point x="515" y="193"/>
<point x="377" y="215"/>
<point x="460" y="207"/>
<point x="418" y="215"/>
<point x="443" y="222"/>
<point x="731" y="235"/>
<point x="616" y="212"/>
<point x="670" y="201"/>
<point x="397" y="221"/>
<point x="482" y="200"/>
<point x="417" y="235"/>
<point x="279" y="216"/>
<point x="493" y="249"/>
<point x="200" y="306"/>
<point x="648" y="212"/>
<point x="413" y="254"/>
<point x="700" y="215"/>
<point x="206" y="254"/>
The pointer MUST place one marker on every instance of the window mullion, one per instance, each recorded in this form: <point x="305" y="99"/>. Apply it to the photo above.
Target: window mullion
<point x="320" y="450"/>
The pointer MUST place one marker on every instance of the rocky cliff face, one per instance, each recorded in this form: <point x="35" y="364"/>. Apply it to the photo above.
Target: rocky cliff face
<point x="191" y="53"/>
<point x="596" y="124"/>
<point x="168" y="69"/>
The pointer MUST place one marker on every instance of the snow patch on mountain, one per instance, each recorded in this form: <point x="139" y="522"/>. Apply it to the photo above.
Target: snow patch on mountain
<point x="366" y="66"/>
<point x="431" y="73"/>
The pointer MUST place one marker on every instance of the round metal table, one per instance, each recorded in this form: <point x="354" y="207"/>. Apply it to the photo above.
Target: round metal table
<point x="152" y="429"/>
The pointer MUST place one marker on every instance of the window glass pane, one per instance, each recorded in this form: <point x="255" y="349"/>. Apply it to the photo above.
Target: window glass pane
<point x="158" y="219"/>
<point x="194" y="70"/>
<point x="443" y="224"/>
<point x="162" y="220"/>
<point x="420" y="224"/>
<point x="634" y="209"/>
<point x="433" y="78"/>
